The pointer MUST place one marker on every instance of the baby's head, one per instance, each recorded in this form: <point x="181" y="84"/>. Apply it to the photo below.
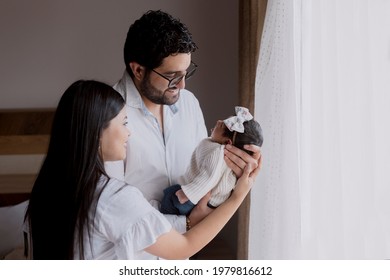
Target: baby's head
<point x="253" y="134"/>
<point x="238" y="130"/>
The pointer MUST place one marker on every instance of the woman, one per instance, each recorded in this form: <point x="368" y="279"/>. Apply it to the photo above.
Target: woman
<point x="77" y="212"/>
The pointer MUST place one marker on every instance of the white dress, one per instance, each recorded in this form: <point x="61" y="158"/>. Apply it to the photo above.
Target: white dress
<point x="124" y="225"/>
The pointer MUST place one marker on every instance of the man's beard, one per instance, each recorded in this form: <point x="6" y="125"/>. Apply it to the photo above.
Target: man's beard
<point x="156" y="96"/>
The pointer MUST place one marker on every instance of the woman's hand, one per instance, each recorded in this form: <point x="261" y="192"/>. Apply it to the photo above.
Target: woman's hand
<point x="201" y="210"/>
<point x="236" y="159"/>
<point x="245" y="182"/>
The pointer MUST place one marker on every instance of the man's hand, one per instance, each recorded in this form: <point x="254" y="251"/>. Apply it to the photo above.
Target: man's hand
<point x="236" y="159"/>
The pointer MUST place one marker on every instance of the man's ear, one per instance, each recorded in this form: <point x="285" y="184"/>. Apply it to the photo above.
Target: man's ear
<point x="138" y="70"/>
<point x="229" y="141"/>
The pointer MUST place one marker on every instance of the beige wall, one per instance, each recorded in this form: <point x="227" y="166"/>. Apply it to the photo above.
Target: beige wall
<point x="48" y="44"/>
<point x="45" y="45"/>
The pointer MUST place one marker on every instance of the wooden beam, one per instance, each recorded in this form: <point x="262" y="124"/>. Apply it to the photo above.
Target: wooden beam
<point x="16" y="183"/>
<point x="26" y="121"/>
<point x="24" y="144"/>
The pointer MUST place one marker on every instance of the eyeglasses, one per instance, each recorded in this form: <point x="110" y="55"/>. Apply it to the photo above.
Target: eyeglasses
<point x="174" y="81"/>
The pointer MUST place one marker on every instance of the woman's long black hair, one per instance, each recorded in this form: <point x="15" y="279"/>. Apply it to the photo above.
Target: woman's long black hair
<point x="64" y="191"/>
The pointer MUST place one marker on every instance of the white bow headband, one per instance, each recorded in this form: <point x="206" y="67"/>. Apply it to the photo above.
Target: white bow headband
<point x="236" y="123"/>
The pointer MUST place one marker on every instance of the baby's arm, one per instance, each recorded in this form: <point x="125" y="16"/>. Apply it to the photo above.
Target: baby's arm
<point x="181" y="196"/>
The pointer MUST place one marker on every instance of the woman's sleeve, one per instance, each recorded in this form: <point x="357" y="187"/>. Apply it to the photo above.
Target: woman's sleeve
<point x="131" y="223"/>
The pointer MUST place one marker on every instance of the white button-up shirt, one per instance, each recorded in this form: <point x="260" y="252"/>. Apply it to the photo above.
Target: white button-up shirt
<point x="156" y="160"/>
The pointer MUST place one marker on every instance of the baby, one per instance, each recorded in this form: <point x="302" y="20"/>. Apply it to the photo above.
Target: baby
<point x="208" y="170"/>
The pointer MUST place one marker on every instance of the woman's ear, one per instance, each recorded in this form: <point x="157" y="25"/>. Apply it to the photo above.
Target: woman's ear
<point x="137" y="69"/>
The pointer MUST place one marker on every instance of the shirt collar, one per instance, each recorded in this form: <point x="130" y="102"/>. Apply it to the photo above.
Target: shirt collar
<point x="133" y="97"/>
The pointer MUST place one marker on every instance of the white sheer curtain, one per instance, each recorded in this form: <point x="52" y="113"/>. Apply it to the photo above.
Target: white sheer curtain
<point x="323" y="99"/>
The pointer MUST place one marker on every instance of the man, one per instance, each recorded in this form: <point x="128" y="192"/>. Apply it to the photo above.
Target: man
<point x="165" y="119"/>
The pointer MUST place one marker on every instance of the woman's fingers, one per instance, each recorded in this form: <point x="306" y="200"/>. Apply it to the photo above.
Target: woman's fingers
<point x="256" y="170"/>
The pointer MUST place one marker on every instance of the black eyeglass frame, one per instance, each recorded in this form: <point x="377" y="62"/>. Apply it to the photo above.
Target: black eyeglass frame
<point x="174" y="81"/>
